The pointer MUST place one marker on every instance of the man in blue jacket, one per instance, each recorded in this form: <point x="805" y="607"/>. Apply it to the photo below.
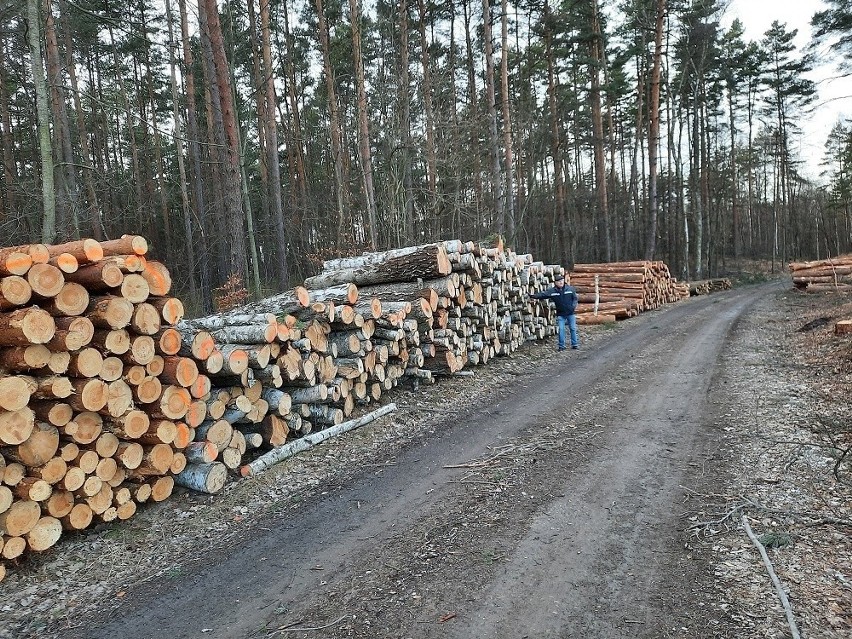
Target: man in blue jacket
<point x="565" y="299"/>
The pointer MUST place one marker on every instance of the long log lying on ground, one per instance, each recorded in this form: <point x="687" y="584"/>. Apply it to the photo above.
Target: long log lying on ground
<point x="288" y="450"/>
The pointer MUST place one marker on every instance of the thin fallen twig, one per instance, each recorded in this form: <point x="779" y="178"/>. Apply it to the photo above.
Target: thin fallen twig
<point x="328" y="625"/>
<point x="788" y="609"/>
<point x="474" y="481"/>
<point x="485" y="462"/>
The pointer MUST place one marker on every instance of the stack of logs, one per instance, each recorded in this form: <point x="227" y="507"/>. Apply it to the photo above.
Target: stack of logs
<point x="108" y="397"/>
<point x="89" y="396"/>
<point x="618" y="290"/>
<point x="304" y="359"/>
<point x="705" y="287"/>
<point x="834" y="274"/>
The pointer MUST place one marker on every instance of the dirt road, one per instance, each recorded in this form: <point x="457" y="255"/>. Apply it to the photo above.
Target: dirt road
<point x="550" y="509"/>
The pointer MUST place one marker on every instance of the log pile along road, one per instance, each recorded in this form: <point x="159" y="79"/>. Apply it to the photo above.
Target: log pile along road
<point x="549" y="507"/>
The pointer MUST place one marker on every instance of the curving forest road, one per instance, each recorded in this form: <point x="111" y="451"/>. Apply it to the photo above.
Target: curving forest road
<point x="551" y="508"/>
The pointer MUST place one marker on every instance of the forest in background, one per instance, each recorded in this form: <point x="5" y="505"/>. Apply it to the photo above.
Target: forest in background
<point x="251" y="139"/>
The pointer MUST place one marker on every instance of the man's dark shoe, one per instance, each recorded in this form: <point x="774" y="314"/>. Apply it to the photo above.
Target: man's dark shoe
<point x="575" y="348"/>
<point x="561" y="348"/>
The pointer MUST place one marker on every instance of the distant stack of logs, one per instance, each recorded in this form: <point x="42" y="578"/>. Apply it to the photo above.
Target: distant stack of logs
<point x="834" y="274"/>
<point x="618" y="290"/>
<point x="705" y="287"/>
<point x="469" y="302"/>
<point x="88" y="405"/>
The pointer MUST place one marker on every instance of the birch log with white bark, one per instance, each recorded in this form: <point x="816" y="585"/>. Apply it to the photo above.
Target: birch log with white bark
<point x="288" y="450"/>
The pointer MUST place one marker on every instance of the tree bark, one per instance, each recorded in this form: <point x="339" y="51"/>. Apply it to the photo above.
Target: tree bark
<point x="195" y="156"/>
<point x="234" y="218"/>
<point x="363" y="124"/>
<point x="8" y="201"/>
<point x="48" y="225"/>
<point x="68" y="220"/>
<point x="654" y="129"/>
<point x="597" y="61"/>
<point x="509" y="217"/>
<point x="405" y="125"/>
<point x="271" y="131"/>
<point x="341" y="180"/>
<point x="428" y="107"/>
<point x="491" y="103"/>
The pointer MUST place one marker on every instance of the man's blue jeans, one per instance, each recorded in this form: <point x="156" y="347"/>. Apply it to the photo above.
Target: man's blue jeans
<point x="572" y="327"/>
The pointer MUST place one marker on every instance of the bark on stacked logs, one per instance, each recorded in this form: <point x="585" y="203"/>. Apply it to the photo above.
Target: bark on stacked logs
<point x="834" y="274"/>
<point x="89" y="406"/>
<point x="618" y="290"/>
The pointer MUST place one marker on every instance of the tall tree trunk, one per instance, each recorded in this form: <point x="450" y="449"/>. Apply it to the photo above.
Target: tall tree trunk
<point x="259" y="94"/>
<point x="250" y="234"/>
<point x="405" y="125"/>
<point x="235" y="228"/>
<point x="146" y="168"/>
<point x="160" y="169"/>
<point x="735" y="203"/>
<point x="473" y="108"/>
<point x="297" y="134"/>
<point x="654" y="129"/>
<point x="131" y="129"/>
<point x="490" y="101"/>
<point x="179" y="134"/>
<point x="68" y="204"/>
<point x="696" y="195"/>
<point x="611" y="188"/>
<point x="750" y="167"/>
<point x="275" y="195"/>
<point x="431" y="155"/>
<point x="456" y="143"/>
<point x="341" y="181"/>
<point x="363" y="124"/>
<point x="634" y="188"/>
<point x="597" y="60"/>
<point x="215" y="146"/>
<point x="93" y="221"/>
<point x="507" y="124"/>
<point x="555" y="141"/>
<point x="10" y="178"/>
<point x="48" y="220"/>
<point x="195" y="157"/>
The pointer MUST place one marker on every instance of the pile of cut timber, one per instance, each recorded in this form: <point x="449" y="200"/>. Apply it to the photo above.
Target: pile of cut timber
<point x="303" y="360"/>
<point x="833" y="274"/>
<point x="469" y="301"/>
<point x="617" y="290"/>
<point x="108" y="397"/>
<point x="705" y="287"/>
<point x="89" y="400"/>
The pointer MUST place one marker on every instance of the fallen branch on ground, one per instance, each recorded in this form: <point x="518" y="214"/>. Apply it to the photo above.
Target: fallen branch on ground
<point x="788" y="609"/>
<point x="304" y="629"/>
<point x="745" y="503"/>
